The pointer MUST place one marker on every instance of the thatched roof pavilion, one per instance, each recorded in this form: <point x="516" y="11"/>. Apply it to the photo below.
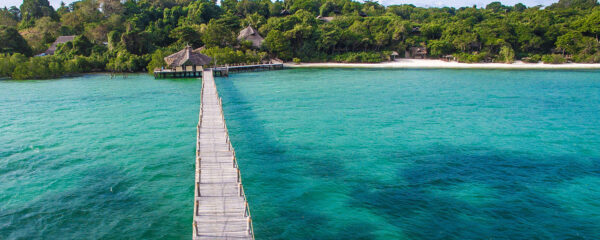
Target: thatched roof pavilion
<point x="200" y="49"/>
<point x="250" y="34"/>
<point x="187" y="57"/>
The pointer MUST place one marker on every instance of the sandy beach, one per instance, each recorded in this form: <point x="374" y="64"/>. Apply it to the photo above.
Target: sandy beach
<point x="431" y="63"/>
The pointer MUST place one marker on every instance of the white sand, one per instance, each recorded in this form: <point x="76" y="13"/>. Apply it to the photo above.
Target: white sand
<point x="430" y="63"/>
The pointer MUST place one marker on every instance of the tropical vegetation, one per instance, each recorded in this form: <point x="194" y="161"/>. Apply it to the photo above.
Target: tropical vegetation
<point x="134" y="35"/>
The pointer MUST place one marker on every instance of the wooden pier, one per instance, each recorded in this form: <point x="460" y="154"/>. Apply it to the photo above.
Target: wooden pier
<point x="223" y="71"/>
<point x="179" y="72"/>
<point x="220" y="207"/>
<point x="219" y="71"/>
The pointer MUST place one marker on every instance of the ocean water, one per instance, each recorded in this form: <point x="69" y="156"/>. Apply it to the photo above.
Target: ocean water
<point x="324" y="154"/>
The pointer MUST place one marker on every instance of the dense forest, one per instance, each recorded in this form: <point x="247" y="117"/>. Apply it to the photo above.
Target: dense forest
<point x="135" y="35"/>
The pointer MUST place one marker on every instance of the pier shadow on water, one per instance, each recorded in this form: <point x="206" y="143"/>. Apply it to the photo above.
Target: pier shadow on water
<point x="281" y="205"/>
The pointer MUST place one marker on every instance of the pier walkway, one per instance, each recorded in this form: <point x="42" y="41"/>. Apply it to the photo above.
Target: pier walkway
<point x="220" y="207"/>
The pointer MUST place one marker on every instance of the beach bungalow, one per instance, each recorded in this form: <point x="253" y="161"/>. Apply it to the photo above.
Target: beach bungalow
<point x="251" y="34"/>
<point x="449" y="58"/>
<point x="59" y="40"/>
<point x="418" y="52"/>
<point x="394" y="55"/>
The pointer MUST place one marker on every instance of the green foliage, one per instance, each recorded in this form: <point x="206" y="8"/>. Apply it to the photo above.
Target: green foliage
<point x="569" y="42"/>
<point x="296" y="60"/>
<point x="221" y="32"/>
<point x="553" y="59"/>
<point x="472" y="58"/>
<point x="138" y="43"/>
<point x="127" y="62"/>
<point x="157" y="60"/>
<point x="507" y="54"/>
<point x="581" y="4"/>
<point x="39" y="68"/>
<point x="34" y="9"/>
<point x="8" y="18"/>
<point x="278" y="44"/>
<point x="229" y="55"/>
<point x="138" y="34"/>
<point x="438" y="48"/>
<point x="535" y="58"/>
<point x="12" y="42"/>
<point x="8" y="63"/>
<point x="202" y="11"/>
<point x="359" y="57"/>
<point x="189" y="35"/>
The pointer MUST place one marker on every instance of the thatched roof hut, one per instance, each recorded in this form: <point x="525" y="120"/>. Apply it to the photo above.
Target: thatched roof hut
<point x="59" y="40"/>
<point x="250" y="34"/>
<point x="417" y="52"/>
<point x="199" y="50"/>
<point x="187" y="57"/>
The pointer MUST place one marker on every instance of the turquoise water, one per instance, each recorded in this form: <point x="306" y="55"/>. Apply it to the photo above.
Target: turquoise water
<point x="324" y="154"/>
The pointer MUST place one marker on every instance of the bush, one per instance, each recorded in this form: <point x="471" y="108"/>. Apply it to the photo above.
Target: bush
<point x="39" y="68"/>
<point x="587" y="58"/>
<point x="228" y="55"/>
<point x="297" y="60"/>
<point x="157" y="60"/>
<point x="127" y="62"/>
<point x="359" y="57"/>
<point x="471" y="58"/>
<point x="507" y="54"/>
<point x="532" y="58"/>
<point x="8" y="63"/>
<point x="553" y="59"/>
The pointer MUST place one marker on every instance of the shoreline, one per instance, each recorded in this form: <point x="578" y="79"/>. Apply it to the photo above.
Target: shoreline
<point x="439" y="64"/>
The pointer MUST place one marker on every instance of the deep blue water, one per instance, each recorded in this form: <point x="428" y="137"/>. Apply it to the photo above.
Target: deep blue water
<point x="324" y="154"/>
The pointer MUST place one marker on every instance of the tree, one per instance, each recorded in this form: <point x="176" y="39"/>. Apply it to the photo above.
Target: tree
<point x="569" y="42"/>
<point x="221" y="32"/>
<point x="519" y="7"/>
<point x="110" y="7"/>
<point x="507" y="54"/>
<point x="592" y="23"/>
<point x="34" y="9"/>
<point x="7" y="18"/>
<point x="203" y="11"/>
<point x="12" y="42"/>
<point x="580" y="4"/>
<point x="187" y="35"/>
<point x="255" y="20"/>
<point x="438" y="48"/>
<point x="157" y="60"/>
<point x="136" y="42"/>
<point x="278" y="44"/>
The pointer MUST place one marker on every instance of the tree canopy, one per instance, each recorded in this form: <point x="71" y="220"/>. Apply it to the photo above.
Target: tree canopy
<point x="131" y="35"/>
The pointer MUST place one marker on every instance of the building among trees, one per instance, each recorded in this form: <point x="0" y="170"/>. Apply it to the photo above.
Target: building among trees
<point x="59" y="40"/>
<point x="251" y="34"/>
<point x="416" y="52"/>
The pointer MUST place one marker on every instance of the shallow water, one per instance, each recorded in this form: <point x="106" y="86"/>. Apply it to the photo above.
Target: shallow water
<point x="324" y="154"/>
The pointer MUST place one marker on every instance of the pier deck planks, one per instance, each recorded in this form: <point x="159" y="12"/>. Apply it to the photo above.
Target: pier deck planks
<point x="220" y="207"/>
